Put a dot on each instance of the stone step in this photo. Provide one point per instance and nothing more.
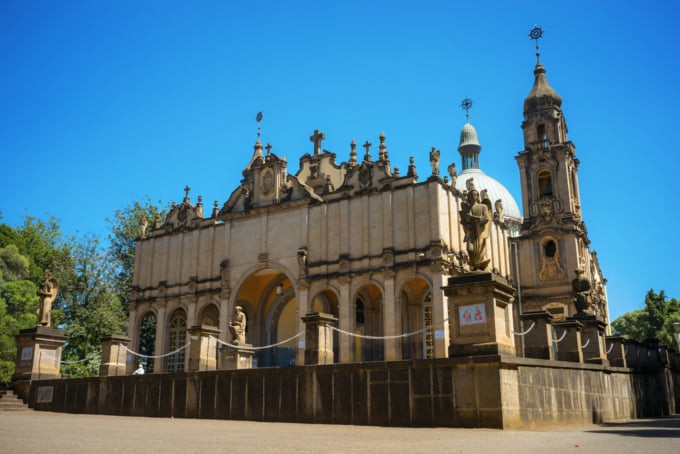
(10, 402)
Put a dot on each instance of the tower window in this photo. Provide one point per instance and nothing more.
(545, 183)
(550, 248)
(540, 134)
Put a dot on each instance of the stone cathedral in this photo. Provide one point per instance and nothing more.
(370, 244)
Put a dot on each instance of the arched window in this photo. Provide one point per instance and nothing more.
(177, 338)
(550, 248)
(545, 183)
(210, 316)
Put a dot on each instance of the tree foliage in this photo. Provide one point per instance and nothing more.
(94, 284)
(653, 322)
(127, 225)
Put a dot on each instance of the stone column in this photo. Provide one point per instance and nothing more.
(538, 341)
(593, 339)
(439, 314)
(160, 345)
(302, 308)
(616, 351)
(345, 314)
(481, 313)
(203, 348)
(38, 353)
(568, 334)
(319, 338)
(391, 346)
(114, 356)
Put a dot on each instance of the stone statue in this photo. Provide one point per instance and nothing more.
(434, 161)
(47, 293)
(453, 173)
(237, 327)
(476, 220)
(143, 226)
(582, 293)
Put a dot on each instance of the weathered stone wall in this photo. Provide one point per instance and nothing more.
(491, 391)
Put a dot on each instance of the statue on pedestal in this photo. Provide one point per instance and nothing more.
(237, 327)
(476, 219)
(47, 293)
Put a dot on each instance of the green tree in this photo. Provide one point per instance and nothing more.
(90, 308)
(654, 321)
(18, 303)
(127, 226)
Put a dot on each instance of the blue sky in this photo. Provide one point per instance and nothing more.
(107, 102)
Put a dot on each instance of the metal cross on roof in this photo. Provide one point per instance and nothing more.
(536, 33)
(466, 105)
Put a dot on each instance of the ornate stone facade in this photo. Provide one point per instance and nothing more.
(365, 245)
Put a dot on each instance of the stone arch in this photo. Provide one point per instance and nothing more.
(269, 298)
(416, 315)
(369, 301)
(209, 315)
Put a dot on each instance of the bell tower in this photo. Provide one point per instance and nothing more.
(553, 242)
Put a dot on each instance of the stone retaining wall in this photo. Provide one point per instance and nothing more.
(483, 391)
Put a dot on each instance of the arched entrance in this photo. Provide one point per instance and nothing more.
(268, 298)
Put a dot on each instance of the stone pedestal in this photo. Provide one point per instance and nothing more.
(38, 353)
(203, 348)
(616, 348)
(319, 338)
(538, 342)
(480, 315)
(570, 342)
(592, 336)
(114, 354)
(236, 358)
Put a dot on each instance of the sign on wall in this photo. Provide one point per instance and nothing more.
(472, 314)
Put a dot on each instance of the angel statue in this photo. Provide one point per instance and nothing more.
(47, 293)
(476, 219)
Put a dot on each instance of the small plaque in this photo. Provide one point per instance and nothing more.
(45, 394)
(439, 334)
(472, 314)
(27, 353)
(301, 344)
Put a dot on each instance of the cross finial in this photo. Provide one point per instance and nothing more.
(367, 156)
(186, 193)
(536, 33)
(466, 105)
(268, 148)
(258, 118)
(317, 137)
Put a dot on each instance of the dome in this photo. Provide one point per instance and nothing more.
(468, 136)
(541, 94)
(495, 190)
